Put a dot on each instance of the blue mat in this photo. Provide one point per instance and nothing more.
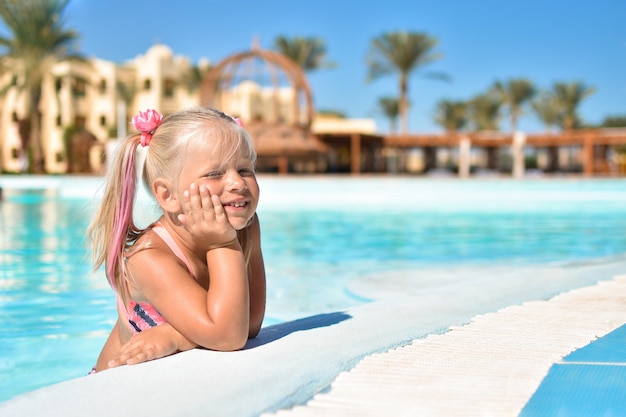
(590, 381)
(608, 349)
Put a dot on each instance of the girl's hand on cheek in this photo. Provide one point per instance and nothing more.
(205, 219)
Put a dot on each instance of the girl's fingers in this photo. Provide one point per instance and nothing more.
(195, 201)
(217, 206)
(191, 205)
(131, 355)
(139, 358)
(119, 360)
(185, 205)
(114, 363)
(206, 198)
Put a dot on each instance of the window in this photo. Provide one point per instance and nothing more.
(147, 84)
(168, 88)
(79, 122)
(103, 86)
(59, 121)
(79, 87)
(103, 120)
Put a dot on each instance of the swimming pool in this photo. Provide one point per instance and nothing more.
(325, 241)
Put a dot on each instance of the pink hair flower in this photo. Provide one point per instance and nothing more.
(237, 120)
(146, 122)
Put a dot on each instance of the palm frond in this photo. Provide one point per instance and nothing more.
(308, 53)
(451, 115)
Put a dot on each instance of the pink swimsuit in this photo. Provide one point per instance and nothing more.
(142, 316)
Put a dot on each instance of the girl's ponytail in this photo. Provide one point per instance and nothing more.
(113, 229)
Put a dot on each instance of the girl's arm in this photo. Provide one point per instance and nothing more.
(164, 340)
(217, 317)
(256, 280)
(110, 348)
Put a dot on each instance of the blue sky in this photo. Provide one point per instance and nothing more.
(481, 41)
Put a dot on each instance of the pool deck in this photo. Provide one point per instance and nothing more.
(506, 363)
(515, 362)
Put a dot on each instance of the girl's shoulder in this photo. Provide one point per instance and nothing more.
(153, 266)
(149, 240)
(156, 248)
(153, 269)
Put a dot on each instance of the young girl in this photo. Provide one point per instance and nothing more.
(195, 277)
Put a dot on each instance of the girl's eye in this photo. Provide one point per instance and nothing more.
(246, 172)
(214, 174)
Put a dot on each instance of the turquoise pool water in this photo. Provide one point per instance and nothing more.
(321, 237)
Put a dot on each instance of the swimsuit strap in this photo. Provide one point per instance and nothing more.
(160, 230)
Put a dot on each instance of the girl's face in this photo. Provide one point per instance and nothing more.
(234, 182)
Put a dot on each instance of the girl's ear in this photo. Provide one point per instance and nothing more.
(165, 195)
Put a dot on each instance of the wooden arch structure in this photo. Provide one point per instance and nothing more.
(223, 74)
(281, 141)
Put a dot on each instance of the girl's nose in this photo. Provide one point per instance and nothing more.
(234, 181)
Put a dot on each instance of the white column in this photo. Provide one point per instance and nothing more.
(517, 149)
(121, 119)
(464, 157)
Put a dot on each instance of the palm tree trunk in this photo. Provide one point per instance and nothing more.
(24, 131)
(38, 166)
(568, 122)
(403, 104)
(35, 132)
(513, 122)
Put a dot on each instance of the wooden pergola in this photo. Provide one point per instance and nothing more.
(363, 149)
(594, 143)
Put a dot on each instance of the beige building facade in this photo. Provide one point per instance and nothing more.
(100, 97)
(96, 96)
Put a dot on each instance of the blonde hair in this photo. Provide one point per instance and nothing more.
(113, 232)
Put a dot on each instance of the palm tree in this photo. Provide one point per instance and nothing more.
(390, 108)
(126, 89)
(337, 114)
(402, 53)
(614, 121)
(514, 94)
(308, 53)
(39, 40)
(484, 111)
(192, 78)
(547, 110)
(569, 96)
(451, 115)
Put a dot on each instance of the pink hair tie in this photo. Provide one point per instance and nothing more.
(146, 122)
